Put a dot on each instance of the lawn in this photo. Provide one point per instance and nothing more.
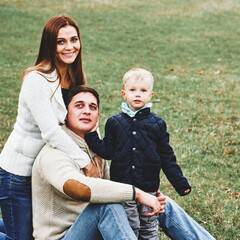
(192, 49)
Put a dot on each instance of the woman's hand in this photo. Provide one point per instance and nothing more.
(94, 169)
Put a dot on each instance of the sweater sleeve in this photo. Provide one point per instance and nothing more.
(37, 94)
(170, 167)
(103, 148)
(62, 168)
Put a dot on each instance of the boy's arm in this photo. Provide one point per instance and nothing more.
(170, 167)
(103, 148)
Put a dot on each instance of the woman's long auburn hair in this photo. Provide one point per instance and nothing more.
(46, 60)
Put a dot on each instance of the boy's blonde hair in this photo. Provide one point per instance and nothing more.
(138, 74)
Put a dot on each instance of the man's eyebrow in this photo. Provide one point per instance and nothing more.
(78, 102)
(94, 104)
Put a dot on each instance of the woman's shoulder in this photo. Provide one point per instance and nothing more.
(35, 74)
(36, 79)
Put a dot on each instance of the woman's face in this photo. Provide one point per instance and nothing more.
(68, 45)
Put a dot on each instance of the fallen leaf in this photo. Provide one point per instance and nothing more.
(201, 72)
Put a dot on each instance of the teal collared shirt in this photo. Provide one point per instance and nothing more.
(129, 112)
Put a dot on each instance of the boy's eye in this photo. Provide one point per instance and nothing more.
(132, 90)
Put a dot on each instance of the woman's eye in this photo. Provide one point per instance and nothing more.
(60, 42)
(74, 39)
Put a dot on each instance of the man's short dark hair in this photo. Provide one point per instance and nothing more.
(78, 89)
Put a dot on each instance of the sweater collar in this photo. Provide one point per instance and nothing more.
(129, 112)
(83, 145)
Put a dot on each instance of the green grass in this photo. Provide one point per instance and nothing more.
(192, 49)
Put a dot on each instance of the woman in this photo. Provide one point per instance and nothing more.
(40, 111)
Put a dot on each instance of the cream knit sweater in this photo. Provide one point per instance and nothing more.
(37, 123)
(53, 211)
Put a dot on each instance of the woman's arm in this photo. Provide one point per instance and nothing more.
(36, 94)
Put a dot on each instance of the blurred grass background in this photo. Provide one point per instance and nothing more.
(193, 50)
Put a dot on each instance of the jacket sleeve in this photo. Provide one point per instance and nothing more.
(36, 94)
(103, 148)
(170, 167)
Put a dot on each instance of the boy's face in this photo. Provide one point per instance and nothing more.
(82, 113)
(137, 93)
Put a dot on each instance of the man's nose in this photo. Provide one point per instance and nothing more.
(86, 110)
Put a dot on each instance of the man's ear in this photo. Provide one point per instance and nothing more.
(123, 94)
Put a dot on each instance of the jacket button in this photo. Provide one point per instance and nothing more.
(134, 132)
(134, 149)
(133, 167)
(134, 119)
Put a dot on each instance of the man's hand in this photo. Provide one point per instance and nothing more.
(162, 199)
(151, 201)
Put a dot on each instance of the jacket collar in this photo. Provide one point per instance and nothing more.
(129, 112)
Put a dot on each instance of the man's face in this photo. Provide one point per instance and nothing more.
(82, 113)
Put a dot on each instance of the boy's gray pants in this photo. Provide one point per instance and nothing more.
(143, 226)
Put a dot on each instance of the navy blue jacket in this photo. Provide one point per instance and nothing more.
(139, 149)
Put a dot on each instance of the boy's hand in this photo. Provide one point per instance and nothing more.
(94, 128)
(187, 191)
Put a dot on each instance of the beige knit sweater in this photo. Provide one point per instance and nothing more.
(53, 211)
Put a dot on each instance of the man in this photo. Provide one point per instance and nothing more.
(61, 192)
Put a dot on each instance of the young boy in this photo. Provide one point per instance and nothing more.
(137, 141)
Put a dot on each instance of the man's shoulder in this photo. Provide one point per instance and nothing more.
(49, 153)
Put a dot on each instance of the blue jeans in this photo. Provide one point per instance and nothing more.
(101, 221)
(109, 221)
(178, 225)
(16, 206)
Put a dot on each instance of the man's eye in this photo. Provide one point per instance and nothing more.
(93, 107)
(60, 42)
(79, 105)
(144, 90)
